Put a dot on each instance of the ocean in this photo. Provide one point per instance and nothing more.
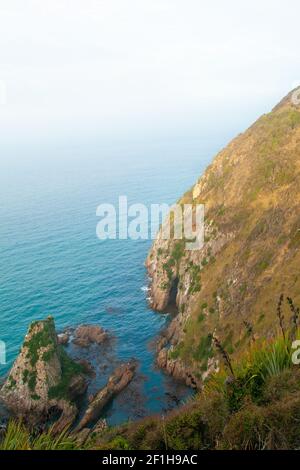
(52, 262)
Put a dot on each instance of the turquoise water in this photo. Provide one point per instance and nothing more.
(53, 263)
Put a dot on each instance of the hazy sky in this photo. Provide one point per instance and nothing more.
(126, 66)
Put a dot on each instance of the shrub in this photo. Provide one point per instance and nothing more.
(245, 430)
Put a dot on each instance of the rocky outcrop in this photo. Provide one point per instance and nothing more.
(44, 379)
(116, 383)
(85, 335)
(63, 339)
(251, 251)
(83, 435)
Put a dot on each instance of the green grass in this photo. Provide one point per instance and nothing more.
(32, 376)
(204, 349)
(201, 318)
(42, 339)
(12, 382)
(175, 353)
(168, 268)
(263, 263)
(271, 359)
(178, 250)
(195, 278)
(17, 437)
(69, 369)
(263, 361)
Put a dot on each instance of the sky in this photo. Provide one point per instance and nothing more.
(143, 67)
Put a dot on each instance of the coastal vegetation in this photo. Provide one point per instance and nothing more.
(17, 437)
(251, 194)
(250, 403)
(226, 338)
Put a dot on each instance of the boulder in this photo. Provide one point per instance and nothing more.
(85, 335)
(63, 339)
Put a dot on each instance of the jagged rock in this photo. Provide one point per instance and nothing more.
(100, 426)
(90, 398)
(68, 415)
(161, 343)
(85, 335)
(63, 339)
(116, 383)
(77, 387)
(43, 378)
(162, 358)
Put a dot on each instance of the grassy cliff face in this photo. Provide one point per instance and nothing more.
(251, 194)
(42, 378)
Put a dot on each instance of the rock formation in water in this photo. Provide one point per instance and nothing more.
(251, 254)
(44, 381)
(85, 335)
(121, 377)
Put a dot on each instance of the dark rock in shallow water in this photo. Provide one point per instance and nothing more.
(121, 377)
(111, 309)
(85, 335)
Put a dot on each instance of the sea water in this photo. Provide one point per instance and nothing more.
(52, 262)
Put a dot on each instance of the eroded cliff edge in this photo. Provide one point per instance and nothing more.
(251, 194)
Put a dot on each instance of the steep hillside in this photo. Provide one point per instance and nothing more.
(258, 408)
(251, 255)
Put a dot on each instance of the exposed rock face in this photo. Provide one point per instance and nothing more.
(63, 339)
(251, 253)
(116, 383)
(100, 426)
(85, 335)
(84, 433)
(43, 378)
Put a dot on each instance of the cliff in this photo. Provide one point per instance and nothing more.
(43, 382)
(251, 193)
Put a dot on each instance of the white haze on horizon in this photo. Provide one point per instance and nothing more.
(143, 67)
